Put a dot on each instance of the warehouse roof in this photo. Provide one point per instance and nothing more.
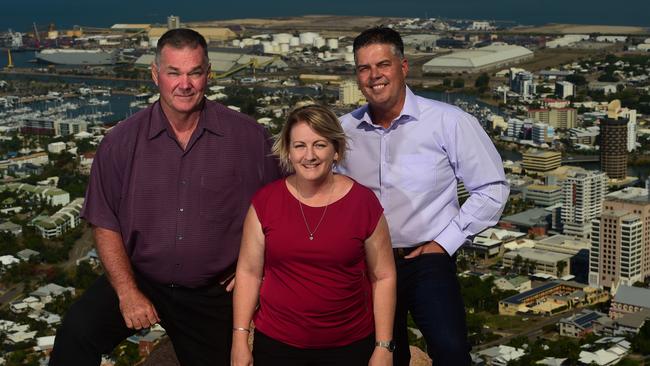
(479, 57)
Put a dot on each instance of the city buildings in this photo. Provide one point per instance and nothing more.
(550, 263)
(478, 59)
(583, 193)
(564, 89)
(53, 127)
(552, 297)
(629, 300)
(543, 195)
(543, 133)
(620, 242)
(52, 195)
(579, 325)
(613, 147)
(563, 118)
(349, 93)
(63, 220)
(522, 83)
(541, 161)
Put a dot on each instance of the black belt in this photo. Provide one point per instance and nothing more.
(221, 280)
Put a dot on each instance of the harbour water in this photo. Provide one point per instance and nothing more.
(20, 16)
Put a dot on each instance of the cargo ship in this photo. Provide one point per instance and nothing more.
(77, 57)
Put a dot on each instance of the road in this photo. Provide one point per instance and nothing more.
(80, 249)
(533, 332)
(12, 294)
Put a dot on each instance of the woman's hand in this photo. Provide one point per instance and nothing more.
(381, 357)
(240, 353)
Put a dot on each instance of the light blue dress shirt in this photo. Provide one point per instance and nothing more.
(413, 167)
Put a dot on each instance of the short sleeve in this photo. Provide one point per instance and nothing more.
(373, 209)
(104, 190)
(260, 201)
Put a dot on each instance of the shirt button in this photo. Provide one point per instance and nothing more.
(183, 182)
(180, 237)
(180, 209)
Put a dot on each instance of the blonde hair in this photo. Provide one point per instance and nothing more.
(320, 119)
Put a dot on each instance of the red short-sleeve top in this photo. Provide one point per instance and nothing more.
(315, 293)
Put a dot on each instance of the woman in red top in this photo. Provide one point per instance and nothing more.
(316, 257)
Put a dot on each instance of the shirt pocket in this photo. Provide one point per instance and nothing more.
(220, 197)
(416, 172)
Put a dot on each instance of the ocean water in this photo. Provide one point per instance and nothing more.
(64, 14)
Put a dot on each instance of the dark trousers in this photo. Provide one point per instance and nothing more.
(269, 352)
(427, 286)
(198, 322)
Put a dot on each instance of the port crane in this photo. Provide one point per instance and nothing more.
(37, 36)
(10, 62)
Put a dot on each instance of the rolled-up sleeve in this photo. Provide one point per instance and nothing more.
(104, 189)
(478, 165)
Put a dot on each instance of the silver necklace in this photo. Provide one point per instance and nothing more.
(322, 216)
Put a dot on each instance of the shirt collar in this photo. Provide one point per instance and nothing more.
(209, 120)
(410, 112)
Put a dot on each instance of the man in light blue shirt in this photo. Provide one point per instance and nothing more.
(411, 151)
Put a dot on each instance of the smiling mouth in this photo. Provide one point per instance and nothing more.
(378, 87)
(310, 165)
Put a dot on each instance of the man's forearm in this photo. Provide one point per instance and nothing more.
(117, 266)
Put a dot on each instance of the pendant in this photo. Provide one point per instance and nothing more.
(311, 237)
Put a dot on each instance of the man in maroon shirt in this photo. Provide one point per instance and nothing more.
(167, 196)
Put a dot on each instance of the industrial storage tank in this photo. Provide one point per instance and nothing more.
(282, 38)
(308, 38)
(333, 43)
(235, 42)
(267, 47)
(319, 42)
(284, 48)
(294, 42)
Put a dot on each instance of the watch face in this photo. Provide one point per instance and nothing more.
(391, 346)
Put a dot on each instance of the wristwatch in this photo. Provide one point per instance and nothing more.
(389, 345)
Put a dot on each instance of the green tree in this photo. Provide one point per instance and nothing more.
(482, 82)
(576, 79)
(641, 341)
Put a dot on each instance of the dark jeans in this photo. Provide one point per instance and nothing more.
(198, 322)
(427, 286)
(269, 352)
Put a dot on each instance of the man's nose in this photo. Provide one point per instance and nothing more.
(185, 82)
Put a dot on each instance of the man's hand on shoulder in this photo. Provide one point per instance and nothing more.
(430, 247)
(137, 310)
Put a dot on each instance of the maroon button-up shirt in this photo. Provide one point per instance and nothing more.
(180, 212)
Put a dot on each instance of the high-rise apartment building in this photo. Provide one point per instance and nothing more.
(613, 147)
(620, 240)
(583, 193)
(564, 89)
(564, 118)
(522, 83)
(543, 133)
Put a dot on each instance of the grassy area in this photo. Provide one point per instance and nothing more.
(553, 57)
(510, 323)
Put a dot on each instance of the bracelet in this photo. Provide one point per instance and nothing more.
(247, 330)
